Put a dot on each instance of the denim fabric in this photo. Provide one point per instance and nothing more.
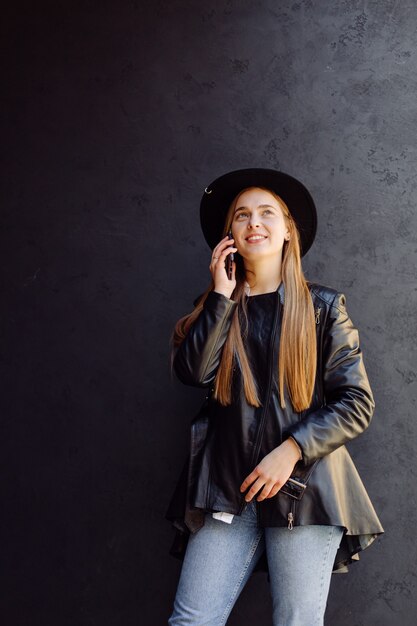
(221, 557)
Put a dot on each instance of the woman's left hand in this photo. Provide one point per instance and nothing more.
(272, 472)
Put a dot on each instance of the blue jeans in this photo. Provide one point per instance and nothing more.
(220, 557)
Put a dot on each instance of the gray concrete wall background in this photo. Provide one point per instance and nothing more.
(117, 116)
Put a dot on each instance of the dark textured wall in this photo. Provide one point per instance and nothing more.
(116, 116)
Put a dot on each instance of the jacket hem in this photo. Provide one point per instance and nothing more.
(348, 553)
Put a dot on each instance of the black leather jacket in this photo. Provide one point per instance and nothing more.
(227, 442)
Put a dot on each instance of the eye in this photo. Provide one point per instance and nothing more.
(267, 211)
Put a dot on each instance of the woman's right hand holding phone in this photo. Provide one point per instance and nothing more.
(222, 284)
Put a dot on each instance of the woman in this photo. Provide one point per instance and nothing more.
(269, 483)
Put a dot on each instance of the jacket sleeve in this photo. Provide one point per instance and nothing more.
(198, 356)
(349, 402)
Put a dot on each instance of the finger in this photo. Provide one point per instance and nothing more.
(266, 492)
(276, 487)
(224, 244)
(257, 485)
(216, 257)
(227, 251)
(221, 243)
(249, 480)
(274, 490)
(222, 258)
(218, 253)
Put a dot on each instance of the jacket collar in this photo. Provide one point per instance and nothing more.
(281, 292)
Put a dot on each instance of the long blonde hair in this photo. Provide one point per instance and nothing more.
(297, 360)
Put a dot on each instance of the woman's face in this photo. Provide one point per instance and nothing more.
(258, 225)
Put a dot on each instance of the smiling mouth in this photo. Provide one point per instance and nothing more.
(254, 238)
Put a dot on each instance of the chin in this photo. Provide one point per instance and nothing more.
(262, 254)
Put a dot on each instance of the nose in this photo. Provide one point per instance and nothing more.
(254, 221)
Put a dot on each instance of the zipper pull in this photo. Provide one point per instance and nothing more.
(290, 521)
(318, 311)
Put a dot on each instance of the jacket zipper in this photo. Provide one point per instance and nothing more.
(291, 515)
(320, 359)
(278, 311)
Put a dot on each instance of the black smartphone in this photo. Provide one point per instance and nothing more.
(229, 260)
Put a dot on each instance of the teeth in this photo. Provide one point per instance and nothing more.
(256, 237)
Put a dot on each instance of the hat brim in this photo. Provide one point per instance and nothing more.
(218, 196)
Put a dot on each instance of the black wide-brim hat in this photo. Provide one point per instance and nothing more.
(218, 196)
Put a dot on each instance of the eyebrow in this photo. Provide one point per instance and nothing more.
(261, 206)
